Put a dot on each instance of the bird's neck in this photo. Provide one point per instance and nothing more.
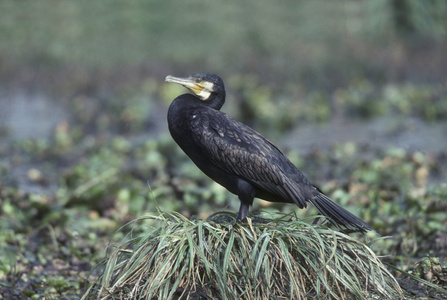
(215, 100)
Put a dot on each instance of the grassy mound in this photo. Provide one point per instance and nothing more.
(167, 256)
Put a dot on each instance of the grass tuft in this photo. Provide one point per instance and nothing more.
(167, 256)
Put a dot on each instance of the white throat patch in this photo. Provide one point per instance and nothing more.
(208, 87)
(204, 94)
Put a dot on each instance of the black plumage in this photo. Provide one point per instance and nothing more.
(238, 157)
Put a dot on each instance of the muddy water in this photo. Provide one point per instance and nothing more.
(407, 133)
(25, 116)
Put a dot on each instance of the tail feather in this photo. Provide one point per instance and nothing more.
(338, 215)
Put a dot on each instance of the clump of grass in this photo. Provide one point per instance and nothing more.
(217, 258)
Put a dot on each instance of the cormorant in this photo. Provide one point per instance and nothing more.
(239, 158)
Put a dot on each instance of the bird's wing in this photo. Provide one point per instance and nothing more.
(240, 150)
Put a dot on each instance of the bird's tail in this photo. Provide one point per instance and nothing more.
(338, 215)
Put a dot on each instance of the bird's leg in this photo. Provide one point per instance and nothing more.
(246, 193)
(243, 211)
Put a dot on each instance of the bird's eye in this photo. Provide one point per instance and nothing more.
(198, 80)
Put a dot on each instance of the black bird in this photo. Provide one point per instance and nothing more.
(239, 158)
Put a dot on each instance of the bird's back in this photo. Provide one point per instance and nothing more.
(214, 140)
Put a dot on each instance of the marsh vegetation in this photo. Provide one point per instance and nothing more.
(355, 100)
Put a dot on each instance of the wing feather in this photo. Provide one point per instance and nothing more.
(241, 151)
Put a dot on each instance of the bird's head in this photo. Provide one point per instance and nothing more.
(206, 86)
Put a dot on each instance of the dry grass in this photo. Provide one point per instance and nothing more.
(177, 258)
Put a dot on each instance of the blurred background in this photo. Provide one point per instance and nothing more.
(354, 92)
